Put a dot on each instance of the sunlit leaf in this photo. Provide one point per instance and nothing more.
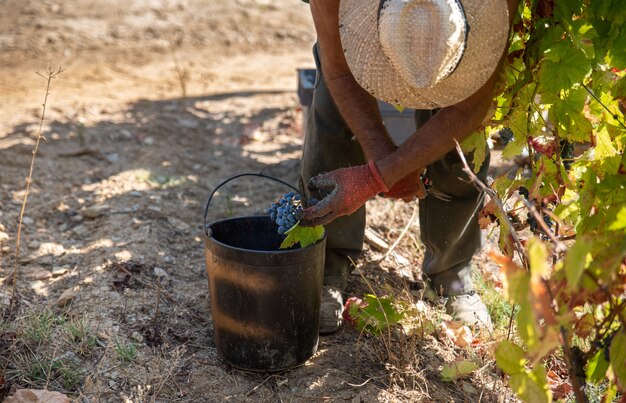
(475, 145)
(620, 221)
(306, 236)
(526, 386)
(617, 353)
(457, 369)
(576, 261)
(510, 357)
(596, 367)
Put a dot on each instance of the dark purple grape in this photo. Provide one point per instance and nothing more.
(506, 136)
(283, 212)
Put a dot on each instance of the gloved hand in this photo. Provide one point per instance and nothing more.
(349, 189)
(408, 188)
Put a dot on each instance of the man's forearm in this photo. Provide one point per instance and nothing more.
(436, 138)
(357, 107)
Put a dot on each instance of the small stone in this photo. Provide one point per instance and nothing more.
(187, 123)
(5, 299)
(94, 211)
(112, 158)
(59, 271)
(52, 248)
(154, 208)
(148, 141)
(62, 227)
(77, 218)
(80, 230)
(67, 296)
(178, 224)
(40, 275)
(160, 273)
(27, 221)
(34, 245)
(123, 256)
(169, 259)
(136, 336)
(134, 193)
(3, 236)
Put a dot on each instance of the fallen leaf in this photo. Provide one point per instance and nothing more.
(36, 396)
(457, 369)
(457, 332)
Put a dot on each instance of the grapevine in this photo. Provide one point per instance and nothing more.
(563, 95)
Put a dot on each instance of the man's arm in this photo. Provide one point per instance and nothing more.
(357, 107)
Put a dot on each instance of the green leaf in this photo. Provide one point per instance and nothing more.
(617, 354)
(617, 53)
(537, 254)
(605, 149)
(596, 367)
(399, 108)
(567, 66)
(304, 235)
(475, 145)
(568, 114)
(378, 314)
(457, 369)
(576, 261)
(510, 357)
(528, 389)
(620, 221)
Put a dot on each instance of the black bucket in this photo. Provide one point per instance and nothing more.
(265, 301)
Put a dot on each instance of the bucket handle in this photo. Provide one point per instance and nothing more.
(260, 175)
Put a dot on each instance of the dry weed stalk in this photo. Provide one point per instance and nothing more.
(49, 74)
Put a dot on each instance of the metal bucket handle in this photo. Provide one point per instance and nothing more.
(260, 175)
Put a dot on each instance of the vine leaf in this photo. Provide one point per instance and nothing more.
(306, 236)
(596, 367)
(620, 221)
(457, 369)
(577, 259)
(617, 354)
(510, 357)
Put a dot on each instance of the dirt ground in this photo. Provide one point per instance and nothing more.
(158, 102)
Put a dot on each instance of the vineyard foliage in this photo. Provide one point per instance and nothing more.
(561, 108)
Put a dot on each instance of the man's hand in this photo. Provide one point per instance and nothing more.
(408, 188)
(349, 189)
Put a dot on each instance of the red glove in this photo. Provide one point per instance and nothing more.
(408, 188)
(349, 189)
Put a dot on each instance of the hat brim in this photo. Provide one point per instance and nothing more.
(488, 24)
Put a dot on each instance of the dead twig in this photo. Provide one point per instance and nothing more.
(49, 74)
(402, 234)
(494, 196)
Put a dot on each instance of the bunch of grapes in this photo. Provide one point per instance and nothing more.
(567, 151)
(283, 212)
(506, 136)
(534, 225)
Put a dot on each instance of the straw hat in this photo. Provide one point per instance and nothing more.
(423, 54)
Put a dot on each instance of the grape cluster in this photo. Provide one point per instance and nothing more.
(506, 136)
(532, 221)
(283, 212)
(567, 151)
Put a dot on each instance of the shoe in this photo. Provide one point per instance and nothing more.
(470, 309)
(331, 310)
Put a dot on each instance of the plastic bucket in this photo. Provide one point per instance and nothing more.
(265, 301)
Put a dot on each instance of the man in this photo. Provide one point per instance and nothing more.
(440, 57)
